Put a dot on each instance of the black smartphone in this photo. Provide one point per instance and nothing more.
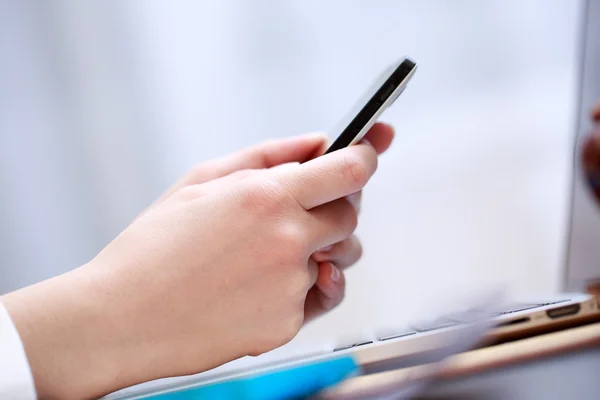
(382, 94)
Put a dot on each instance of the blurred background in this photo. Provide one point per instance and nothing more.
(103, 105)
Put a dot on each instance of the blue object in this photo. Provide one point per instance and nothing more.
(292, 383)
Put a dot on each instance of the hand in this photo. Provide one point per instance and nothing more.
(329, 289)
(212, 272)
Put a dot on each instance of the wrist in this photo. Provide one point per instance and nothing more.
(60, 325)
(86, 335)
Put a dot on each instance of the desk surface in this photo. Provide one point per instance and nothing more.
(571, 376)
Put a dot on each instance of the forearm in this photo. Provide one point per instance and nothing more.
(86, 336)
(64, 331)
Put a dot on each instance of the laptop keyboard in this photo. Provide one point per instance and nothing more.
(512, 308)
(451, 320)
(439, 323)
(400, 334)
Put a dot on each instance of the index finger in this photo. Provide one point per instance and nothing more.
(332, 176)
(380, 136)
(264, 155)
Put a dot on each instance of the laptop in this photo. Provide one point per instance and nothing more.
(507, 321)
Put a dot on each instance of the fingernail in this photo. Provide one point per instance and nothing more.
(327, 248)
(366, 141)
(335, 273)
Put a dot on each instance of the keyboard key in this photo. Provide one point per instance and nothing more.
(342, 348)
(511, 308)
(362, 343)
(353, 345)
(404, 333)
(555, 302)
(469, 316)
(435, 324)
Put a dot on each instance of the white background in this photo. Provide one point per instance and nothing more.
(103, 105)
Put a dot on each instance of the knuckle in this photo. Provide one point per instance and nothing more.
(287, 247)
(260, 190)
(292, 239)
(262, 196)
(355, 170)
(274, 192)
(252, 200)
(188, 193)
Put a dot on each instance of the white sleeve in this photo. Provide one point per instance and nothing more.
(16, 381)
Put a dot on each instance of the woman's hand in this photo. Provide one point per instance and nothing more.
(328, 291)
(222, 266)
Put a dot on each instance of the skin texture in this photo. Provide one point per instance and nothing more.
(231, 261)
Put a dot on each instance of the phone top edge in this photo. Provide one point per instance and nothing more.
(409, 62)
(402, 72)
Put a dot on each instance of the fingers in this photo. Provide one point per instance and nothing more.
(327, 293)
(313, 272)
(271, 153)
(342, 254)
(330, 223)
(215, 185)
(264, 155)
(381, 137)
(331, 176)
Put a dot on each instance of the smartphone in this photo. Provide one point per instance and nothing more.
(386, 89)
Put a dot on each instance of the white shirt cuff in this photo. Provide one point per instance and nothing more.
(16, 380)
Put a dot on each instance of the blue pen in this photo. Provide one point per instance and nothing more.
(291, 383)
